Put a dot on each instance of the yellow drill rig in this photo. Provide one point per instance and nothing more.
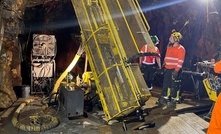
(112, 32)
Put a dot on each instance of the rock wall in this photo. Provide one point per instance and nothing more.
(10, 72)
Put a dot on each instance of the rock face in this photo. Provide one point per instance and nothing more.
(19, 19)
(10, 71)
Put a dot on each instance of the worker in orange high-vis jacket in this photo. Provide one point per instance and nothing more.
(173, 62)
(147, 63)
(215, 121)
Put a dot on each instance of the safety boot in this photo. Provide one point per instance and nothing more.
(162, 101)
(150, 88)
(172, 104)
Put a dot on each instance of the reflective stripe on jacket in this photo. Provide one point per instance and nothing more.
(174, 57)
(149, 60)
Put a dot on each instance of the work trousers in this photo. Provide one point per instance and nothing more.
(168, 82)
(148, 73)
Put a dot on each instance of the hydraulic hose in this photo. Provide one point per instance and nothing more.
(69, 68)
(33, 127)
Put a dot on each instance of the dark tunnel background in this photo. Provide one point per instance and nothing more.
(201, 39)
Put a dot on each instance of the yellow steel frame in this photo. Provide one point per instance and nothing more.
(99, 30)
(211, 93)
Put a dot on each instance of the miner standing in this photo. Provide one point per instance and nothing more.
(148, 67)
(173, 62)
(215, 121)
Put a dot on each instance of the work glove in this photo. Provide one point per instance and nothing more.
(174, 74)
(160, 71)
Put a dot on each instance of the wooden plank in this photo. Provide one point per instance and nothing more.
(176, 127)
(150, 103)
(183, 106)
(185, 126)
(199, 120)
(168, 128)
(192, 122)
(7, 112)
(148, 131)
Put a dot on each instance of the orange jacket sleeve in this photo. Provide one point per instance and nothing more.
(181, 58)
(215, 121)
